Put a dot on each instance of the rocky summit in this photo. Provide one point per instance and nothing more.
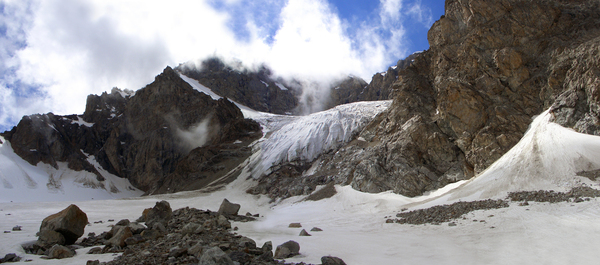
(463, 103)
(166, 131)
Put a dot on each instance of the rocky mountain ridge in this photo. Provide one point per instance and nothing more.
(146, 138)
(462, 104)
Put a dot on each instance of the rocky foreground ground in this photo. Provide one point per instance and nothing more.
(162, 236)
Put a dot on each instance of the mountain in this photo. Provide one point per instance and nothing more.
(146, 138)
(462, 104)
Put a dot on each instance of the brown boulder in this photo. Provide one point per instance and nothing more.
(70, 222)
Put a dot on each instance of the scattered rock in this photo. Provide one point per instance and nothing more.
(316, 229)
(70, 222)
(196, 250)
(295, 225)
(329, 260)
(60, 252)
(136, 228)
(444, 213)
(247, 243)
(228, 208)
(92, 262)
(144, 215)
(452, 224)
(525, 203)
(304, 233)
(17, 228)
(287, 249)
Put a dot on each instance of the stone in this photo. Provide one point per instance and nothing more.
(228, 208)
(95, 250)
(152, 234)
(246, 242)
(49, 238)
(223, 222)
(267, 246)
(329, 260)
(142, 218)
(190, 228)
(70, 222)
(240, 257)
(93, 262)
(60, 252)
(17, 228)
(304, 233)
(123, 222)
(196, 250)
(287, 249)
(215, 256)
(177, 252)
(10, 257)
(316, 229)
(295, 225)
(118, 239)
(136, 228)
(160, 213)
(135, 239)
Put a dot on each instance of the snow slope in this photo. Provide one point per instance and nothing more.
(548, 157)
(23, 182)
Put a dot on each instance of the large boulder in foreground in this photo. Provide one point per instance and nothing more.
(69, 222)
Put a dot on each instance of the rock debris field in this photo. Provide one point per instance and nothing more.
(445, 213)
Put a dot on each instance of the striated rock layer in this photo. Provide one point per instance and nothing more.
(462, 104)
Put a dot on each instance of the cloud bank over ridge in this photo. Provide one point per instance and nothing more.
(54, 53)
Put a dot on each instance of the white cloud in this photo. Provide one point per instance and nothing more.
(75, 47)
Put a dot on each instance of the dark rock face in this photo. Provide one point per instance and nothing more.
(260, 90)
(69, 222)
(254, 89)
(150, 138)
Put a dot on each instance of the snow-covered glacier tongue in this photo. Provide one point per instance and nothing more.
(304, 138)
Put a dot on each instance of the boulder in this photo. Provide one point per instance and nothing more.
(287, 249)
(215, 256)
(160, 213)
(246, 242)
(60, 252)
(123, 222)
(329, 260)
(70, 222)
(136, 228)
(118, 239)
(228, 208)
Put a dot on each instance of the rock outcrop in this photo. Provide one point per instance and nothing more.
(168, 137)
(462, 104)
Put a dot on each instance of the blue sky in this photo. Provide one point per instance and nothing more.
(54, 53)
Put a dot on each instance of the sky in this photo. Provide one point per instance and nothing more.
(53, 53)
